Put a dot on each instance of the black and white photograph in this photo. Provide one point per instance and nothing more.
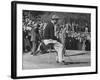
(53, 39)
(56, 39)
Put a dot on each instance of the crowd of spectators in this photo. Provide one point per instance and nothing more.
(76, 37)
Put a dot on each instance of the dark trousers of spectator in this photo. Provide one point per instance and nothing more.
(88, 45)
(34, 47)
(26, 45)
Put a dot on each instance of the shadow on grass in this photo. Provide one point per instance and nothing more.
(68, 63)
(76, 54)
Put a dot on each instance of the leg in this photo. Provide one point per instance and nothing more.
(34, 47)
(60, 52)
(59, 48)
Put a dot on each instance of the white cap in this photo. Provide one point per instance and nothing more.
(55, 17)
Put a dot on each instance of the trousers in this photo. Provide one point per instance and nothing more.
(58, 47)
(34, 46)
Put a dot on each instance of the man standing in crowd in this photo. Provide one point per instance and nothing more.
(35, 38)
(50, 37)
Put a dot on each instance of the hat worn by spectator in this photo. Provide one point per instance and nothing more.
(55, 17)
